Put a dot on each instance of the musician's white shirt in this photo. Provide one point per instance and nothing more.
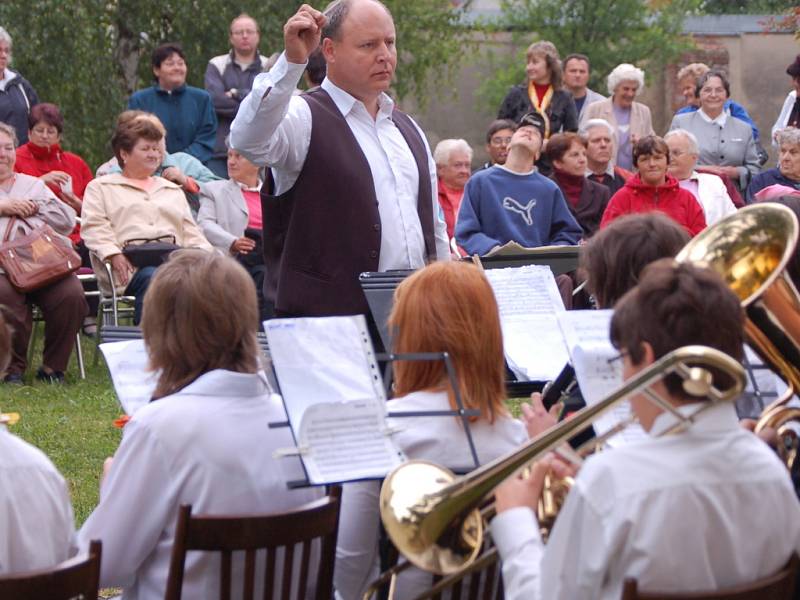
(37, 528)
(439, 439)
(209, 445)
(701, 510)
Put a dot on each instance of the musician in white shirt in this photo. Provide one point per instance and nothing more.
(446, 307)
(709, 508)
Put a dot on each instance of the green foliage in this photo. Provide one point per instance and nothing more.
(87, 56)
(609, 32)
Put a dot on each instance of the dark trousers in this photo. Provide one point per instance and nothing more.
(89, 286)
(63, 307)
(253, 261)
(137, 286)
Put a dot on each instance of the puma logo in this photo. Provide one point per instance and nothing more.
(525, 211)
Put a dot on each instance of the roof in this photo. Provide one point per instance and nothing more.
(730, 24)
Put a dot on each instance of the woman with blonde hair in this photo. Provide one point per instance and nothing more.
(445, 307)
(204, 440)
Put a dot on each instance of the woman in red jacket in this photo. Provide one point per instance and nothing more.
(653, 189)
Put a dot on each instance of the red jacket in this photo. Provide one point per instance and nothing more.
(670, 198)
(36, 161)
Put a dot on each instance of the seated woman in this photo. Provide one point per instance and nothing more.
(135, 205)
(230, 217)
(445, 307)
(204, 438)
(652, 188)
(586, 199)
(62, 303)
(787, 172)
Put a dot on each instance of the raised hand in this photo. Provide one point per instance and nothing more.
(302, 33)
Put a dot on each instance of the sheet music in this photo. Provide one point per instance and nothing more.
(528, 300)
(127, 362)
(585, 327)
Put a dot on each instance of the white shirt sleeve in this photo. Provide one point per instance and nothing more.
(783, 118)
(516, 534)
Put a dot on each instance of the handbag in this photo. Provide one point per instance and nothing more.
(36, 259)
(151, 252)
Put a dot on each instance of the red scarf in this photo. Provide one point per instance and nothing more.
(571, 185)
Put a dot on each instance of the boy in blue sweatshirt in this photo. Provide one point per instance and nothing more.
(513, 202)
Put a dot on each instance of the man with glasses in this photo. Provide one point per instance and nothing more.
(497, 140)
(229, 78)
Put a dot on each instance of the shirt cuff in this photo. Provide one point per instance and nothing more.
(282, 77)
(514, 528)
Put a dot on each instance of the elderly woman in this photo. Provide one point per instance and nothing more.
(62, 303)
(631, 120)
(17, 96)
(204, 439)
(453, 160)
(586, 199)
(542, 92)
(787, 173)
(726, 144)
(654, 189)
(134, 206)
(445, 307)
(230, 217)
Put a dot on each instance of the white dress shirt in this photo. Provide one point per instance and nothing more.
(208, 445)
(438, 439)
(37, 528)
(273, 127)
(709, 508)
(783, 117)
(712, 195)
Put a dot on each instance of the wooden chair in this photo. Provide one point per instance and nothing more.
(74, 579)
(281, 531)
(780, 586)
(482, 580)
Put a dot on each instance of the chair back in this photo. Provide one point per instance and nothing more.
(75, 579)
(480, 581)
(280, 533)
(780, 586)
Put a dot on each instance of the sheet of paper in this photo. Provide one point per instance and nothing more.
(127, 363)
(585, 327)
(528, 300)
(513, 248)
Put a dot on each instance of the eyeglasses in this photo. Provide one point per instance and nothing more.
(618, 357)
(241, 32)
(45, 130)
(500, 141)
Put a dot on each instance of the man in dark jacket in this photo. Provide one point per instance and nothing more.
(17, 96)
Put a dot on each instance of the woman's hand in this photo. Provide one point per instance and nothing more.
(122, 269)
(536, 417)
(243, 245)
(174, 175)
(18, 207)
(56, 178)
(72, 201)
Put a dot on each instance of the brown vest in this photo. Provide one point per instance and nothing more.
(326, 230)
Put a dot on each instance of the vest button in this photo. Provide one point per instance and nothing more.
(373, 254)
(376, 227)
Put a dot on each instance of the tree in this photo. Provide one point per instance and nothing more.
(745, 7)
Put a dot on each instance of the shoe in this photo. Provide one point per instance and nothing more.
(52, 377)
(90, 326)
(12, 379)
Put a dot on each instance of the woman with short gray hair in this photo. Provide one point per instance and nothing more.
(787, 173)
(17, 96)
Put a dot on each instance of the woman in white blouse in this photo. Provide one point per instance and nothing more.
(204, 440)
(445, 307)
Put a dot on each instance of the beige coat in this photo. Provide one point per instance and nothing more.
(641, 121)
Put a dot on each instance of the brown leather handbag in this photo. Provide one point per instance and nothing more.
(36, 259)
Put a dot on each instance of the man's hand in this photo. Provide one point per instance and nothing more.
(122, 269)
(174, 175)
(17, 207)
(302, 33)
(536, 417)
(243, 245)
(518, 491)
(56, 178)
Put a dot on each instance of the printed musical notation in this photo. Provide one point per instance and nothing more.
(128, 364)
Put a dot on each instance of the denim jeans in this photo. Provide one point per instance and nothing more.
(137, 286)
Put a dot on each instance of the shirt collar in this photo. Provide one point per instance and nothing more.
(719, 120)
(246, 188)
(609, 171)
(719, 417)
(346, 103)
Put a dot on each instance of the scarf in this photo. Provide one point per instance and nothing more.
(542, 105)
(571, 185)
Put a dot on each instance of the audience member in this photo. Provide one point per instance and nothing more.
(543, 92)
(315, 70)
(230, 217)
(513, 202)
(586, 199)
(37, 527)
(229, 78)
(707, 188)
(787, 173)
(576, 80)
(790, 112)
(445, 307)
(653, 188)
(203, 440)
(362, 174)
(498, 137)
(135, 206)
(600, 168)
(626, 496)
(453, 160)
(17, 96)
(187, 112)
(726, 145)
(31, 204)
(631, 120)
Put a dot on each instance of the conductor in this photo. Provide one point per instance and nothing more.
(353, 177)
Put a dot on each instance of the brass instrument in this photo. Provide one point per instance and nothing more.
(431, 516)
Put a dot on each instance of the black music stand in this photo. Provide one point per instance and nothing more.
(563, 259)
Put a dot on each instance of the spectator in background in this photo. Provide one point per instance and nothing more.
(787, 173)
(586, 199)
(576, 80)
(315, 70)
(17, 96)
(631, 120)
(707, 188)
(187, 112)
(498, 137)
(453, 160)
(790, 112)
(599, 136)
(228, 80)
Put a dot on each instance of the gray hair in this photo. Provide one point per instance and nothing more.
(788, 135)
(5, 36)
(625, 72)
(444, 150)
(335, 14)
(10, 132)
(591, 124)
(694, 148)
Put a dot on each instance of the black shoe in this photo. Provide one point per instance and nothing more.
(52, 377)
(12, 379)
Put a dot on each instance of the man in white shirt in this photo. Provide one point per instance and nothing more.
(353, 193)
(704, 509)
